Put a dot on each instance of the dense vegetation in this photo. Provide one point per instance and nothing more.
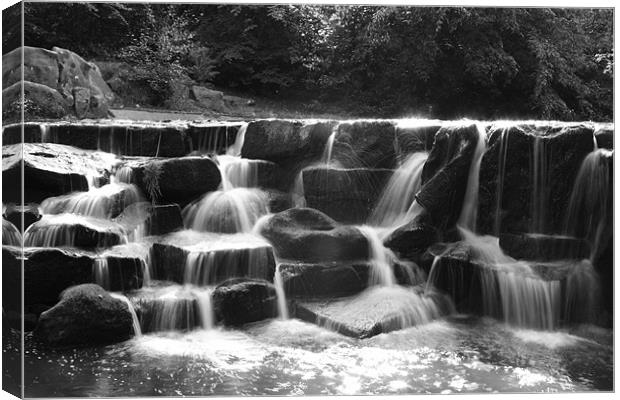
(380, 61)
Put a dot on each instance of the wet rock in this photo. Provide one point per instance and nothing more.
(49, 271)
(373, 311)
(445, 174)
(332, 279)
(414, 139)
(365, 144)
(29, 212)
(347, 195)
(308, 235)
(176, 180)
(209, 258)
(239, 301)
(413, 238)
(11, 236)
(563, 147)
(543, 247)
(49, 170)
(41, 102)
(604, 137)
(278, 200)
(85, 315)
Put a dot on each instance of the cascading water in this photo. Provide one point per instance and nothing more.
(399, 193)
(469, 212)
(281, 294)
(589, 209)
(501, 172)
(235, 149)
(381, 259)
(540, 186)
(134, 316)
(101, 272)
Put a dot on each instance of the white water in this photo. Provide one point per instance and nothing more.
(588, 214)
(134, 317)
(205, 307)
(381, 259)
(235, 149)
(298, 193)
(399, 193)
(101, 272)
(469, 212)
(281, 294)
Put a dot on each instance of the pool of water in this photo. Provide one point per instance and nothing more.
(452, 355)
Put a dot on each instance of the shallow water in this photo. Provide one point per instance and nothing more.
(458, 354)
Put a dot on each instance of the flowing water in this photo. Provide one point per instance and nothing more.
(501, 172)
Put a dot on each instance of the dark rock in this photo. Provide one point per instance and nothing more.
(413, 238)
(40, 102)
(239, 301)
(415, 138)
(543, 247)
(85, 315)
(563, 146)
(604, 136)
(70, 230)
(176, 180)
(49, 170)
(278, 200)
(308, 235)
(347, 195)
(29, 212)
(81, 101)
(49, 271)
(445, 174)
(11, 236)
(332, 279)
(365, 144)
(151, 219)
(213, 258)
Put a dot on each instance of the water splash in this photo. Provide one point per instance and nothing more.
(399, 193)
(381, 259)
(134, 317)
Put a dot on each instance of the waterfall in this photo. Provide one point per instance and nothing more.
(501, 171)
(381, 259)
(298, 194)
(281, 294)
(235, 149)
(399, 193)
(540, 190)
(10, 234)
(469, 212)
(589, 209)
(104, 202)
(200, 268)
(45, 133)
(134, 317)
(205, 307)
(101, 272)
(326, 158)
(123, 174)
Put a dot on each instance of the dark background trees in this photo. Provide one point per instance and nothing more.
(370, 60)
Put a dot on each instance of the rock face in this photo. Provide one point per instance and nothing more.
(74, 86)
(543, 247)
(604, 136)
(445, 174)
(49, 170)
(347, 195)
(416, 138)
(151, 219)
(86, 314)
(365, 144)
(176, 180)
(41, 102)
(49, 271)
(562, 146)
(239, 301)
(413, 238)
(308, 235)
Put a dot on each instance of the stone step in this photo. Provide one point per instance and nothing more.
(539, 247)
(50, 170)
(131, 138)
(347, 195)
(205, 258)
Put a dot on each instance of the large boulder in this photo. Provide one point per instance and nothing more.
(49, 170)
(411, 239)
(239, 301)
(176, 180)
(85, 315)
(347, 195)
(446, 172)
(505, 202)
(365, 144)
(209, 98)
(73, 86)
(308, 235)
(40, 102)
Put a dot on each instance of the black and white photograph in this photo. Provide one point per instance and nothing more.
(321, 198)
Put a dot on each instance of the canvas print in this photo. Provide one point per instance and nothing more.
(306, 199)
